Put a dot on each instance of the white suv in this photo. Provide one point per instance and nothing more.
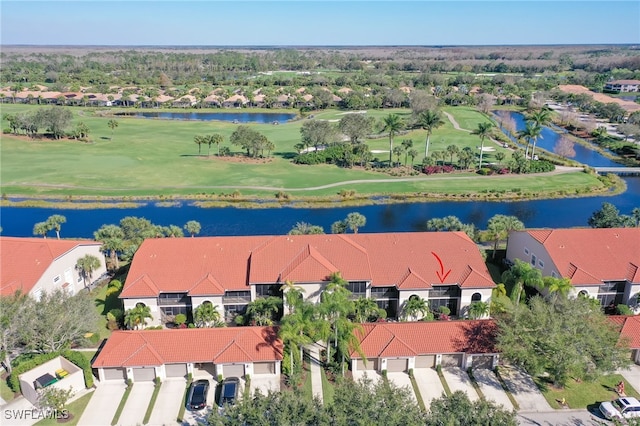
(622, 408)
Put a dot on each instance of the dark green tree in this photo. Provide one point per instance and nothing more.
(457, 409)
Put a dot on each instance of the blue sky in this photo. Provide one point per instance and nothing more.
(327, 22)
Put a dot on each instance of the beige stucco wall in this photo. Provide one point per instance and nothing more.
(404, 295)
(465, 298)
(64, 267)
(516, 245)
(74, 380)
(312, 291)
(215, 300)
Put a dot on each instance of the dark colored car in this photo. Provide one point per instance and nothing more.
(229, 391)
(197, 399)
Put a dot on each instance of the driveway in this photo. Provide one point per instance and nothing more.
(169, 401)
(137, 404)
(369, 374)
(402, 380)
(632, 376)
(524, 390)
(458, 380)
(491, 387)
(265, 383)
(429, 384)
(200, 417)
(103, 404)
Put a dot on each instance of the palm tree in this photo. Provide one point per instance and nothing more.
(397, 151)
(112, 239)
(499, 227)
(452, 150)
(519, 275)
(137, 317)
(465, 157)
(355, 221)
(41, 228)
(366, 309)
(560, 286)
(55, 222)
(407, 144)
(262, 310)
(392, 124)
(192, 227)
(414, 308)
(500, 156)
(207, 315)
(199, 140)
(335, 304)
(293, 333)
(412, 154)
(113, 124)
(478, 310)
(483, 131)
(217, 139)
(292, 295)
(540, 118)
(87, 265)
(531, 132)
(429, 120)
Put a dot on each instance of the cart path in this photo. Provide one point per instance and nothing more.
(557, 171)
(456, 126)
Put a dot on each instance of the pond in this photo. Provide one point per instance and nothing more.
(234, 117)
(550, 139)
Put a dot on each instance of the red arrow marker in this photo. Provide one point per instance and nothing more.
(441, 275)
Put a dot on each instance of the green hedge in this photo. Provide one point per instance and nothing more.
(75, 357)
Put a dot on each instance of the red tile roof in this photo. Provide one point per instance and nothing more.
(629, 328)
(382, 340)
(217, 345)
(233, 263)
(590, 256)
(24, 260)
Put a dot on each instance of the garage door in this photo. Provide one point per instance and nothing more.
(397, 365)
(176, 370)
(372, 364)
(482, 361)
(233, 370)
(264, 368)
(144, 374)
(425, 361)
(454, 360)
(114, 374)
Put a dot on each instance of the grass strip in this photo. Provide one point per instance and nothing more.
(307, 388)
(152, 403)
(76, 408)
(584, 393)
(445, 385)
(327, 389)
(506, 389)
(416, 391)
(123, 401)
(5, 391)
(475, 384)
(183, 406)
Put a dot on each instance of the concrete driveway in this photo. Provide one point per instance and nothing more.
(369, 374)
(103, 404)
(632, 376)
(402, 380)
(458, 380)
(524, 390)
(429, 384)
(265, 383)
(200, 417)
(170, 398)
(137, 404)
(491, 387)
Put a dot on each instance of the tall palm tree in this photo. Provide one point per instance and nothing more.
(199, 140)
(499, 227)
(530, 133)
(429, 120)
(112, 239)
(217, 139)
(136, 318)
(293, 333)
(414, 308)
(392, 124)
(207, 315)
(41, 228)
(483, 131)
(87, 265)
(452, 150)
(407, 144)
(519, 275)
(412, 154)
(292, 295)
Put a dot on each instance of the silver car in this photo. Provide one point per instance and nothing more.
(622, 408)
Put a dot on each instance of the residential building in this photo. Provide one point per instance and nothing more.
(622, 86)
(600, 263)
(176, 275)
(402, 346)
(37, 265)
(144, 355)
(629, 330)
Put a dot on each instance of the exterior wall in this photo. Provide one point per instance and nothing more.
(312, 291)
(64, 268)
(467, 294)
(404, 295)
(75, 378)
(519, 241)
(151, 302)
(632, 297)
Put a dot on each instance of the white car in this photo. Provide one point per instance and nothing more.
(621, 408)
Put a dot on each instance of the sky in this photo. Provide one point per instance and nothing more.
(318, 23)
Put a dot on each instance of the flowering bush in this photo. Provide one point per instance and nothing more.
(437, 169)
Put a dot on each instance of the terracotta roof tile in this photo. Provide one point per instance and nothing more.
(411, 281)
(224, 345)
(142, 287)
(24, 260)
(208, 285)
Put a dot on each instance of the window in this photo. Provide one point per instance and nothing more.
(233, 297)
(526, 251)
(553, 274)
(172, 298)
(266, 290)
(534, 259)
(384, 293)
(444, 291)
(56, 279)
(174, 310)
(477, 297)
(541, 263)
(358, 288)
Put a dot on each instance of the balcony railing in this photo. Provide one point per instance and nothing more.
(163, 301)
(235, 300)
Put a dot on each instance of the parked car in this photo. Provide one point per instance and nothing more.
(197, 399)
(621, 408)
(229, 391)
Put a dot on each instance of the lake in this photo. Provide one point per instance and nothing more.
(234, 117)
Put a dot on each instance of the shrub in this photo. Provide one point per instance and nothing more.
(117, 314)
(429, 170)
(180, 319)
(444, 310)
(30, 363)
(191, 325)
(624, 310)
(541, 166)
(485, 171)
(157, 381)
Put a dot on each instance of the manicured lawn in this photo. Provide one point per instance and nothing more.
(327, 389)
(76, 408)
(5, 391)
(103, 305)
(583, 394)
(159, 157)
(88, 355)
(307, 389)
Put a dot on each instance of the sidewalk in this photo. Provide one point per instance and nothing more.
(632, 376)
(316, 374)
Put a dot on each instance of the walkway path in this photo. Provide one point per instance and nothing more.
(456, 126)
(316, 374)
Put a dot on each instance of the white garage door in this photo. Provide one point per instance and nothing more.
(144, 374)
(114, 373)
(233, 370)
(425, 361)
(452, 360)
(264, 368)
(397, 365)
(372, 364)
(176, 370)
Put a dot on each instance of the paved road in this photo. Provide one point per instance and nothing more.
(170, 398)
(103, 404)
(458, 380)
(561, 418)
(137, 404)
(429, 384)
